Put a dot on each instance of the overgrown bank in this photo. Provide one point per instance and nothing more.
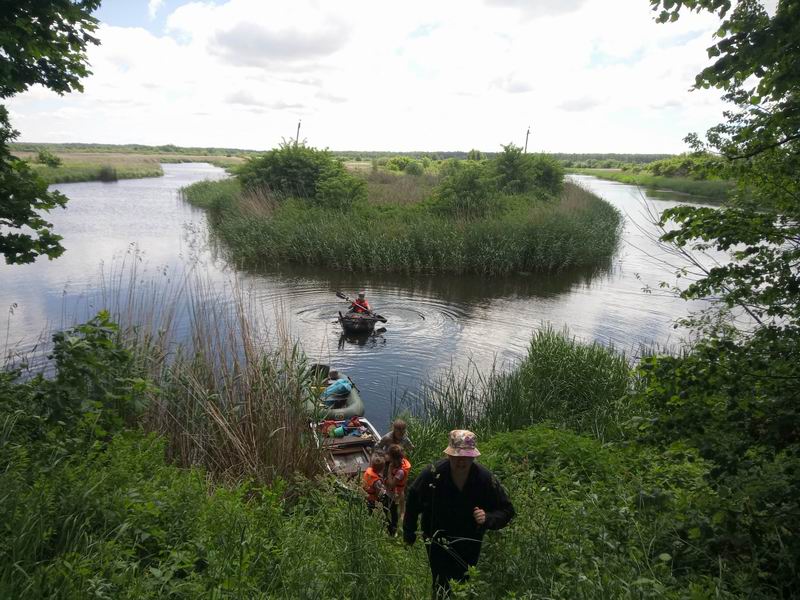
(511, 214)
(715, 189)
(614, 496)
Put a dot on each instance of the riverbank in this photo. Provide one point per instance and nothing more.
(140, 478)
(709, 189)
(78, 165)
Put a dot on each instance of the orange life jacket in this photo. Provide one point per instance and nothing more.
(400, 484)
(361, 306)
(372, 484)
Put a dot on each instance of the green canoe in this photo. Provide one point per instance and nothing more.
(350, 405)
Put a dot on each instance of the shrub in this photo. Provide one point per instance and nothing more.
(340, 191)
(292, 169)
(107, 173)
(518, 173)
(398, 163)
(466, 192)
(47, 158)
(414, 168)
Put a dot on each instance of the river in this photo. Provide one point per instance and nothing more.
(434, 321)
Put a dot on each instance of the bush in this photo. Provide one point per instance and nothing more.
(466, 192)
(47, 158)
(107, 173)
(398, 163)
(292, 169)
(414, 168)
(340, 191)
(518, 173)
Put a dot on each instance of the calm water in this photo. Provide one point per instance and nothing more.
(434, 322)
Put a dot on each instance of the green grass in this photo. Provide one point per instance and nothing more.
(577, 229)
(712, 189)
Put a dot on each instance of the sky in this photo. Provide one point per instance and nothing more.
(584, 75)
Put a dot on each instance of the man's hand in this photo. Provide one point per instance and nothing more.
(479, 515)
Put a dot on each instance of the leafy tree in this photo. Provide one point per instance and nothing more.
(756, 60)
(518, 173)
(733, 396)
(41, 42)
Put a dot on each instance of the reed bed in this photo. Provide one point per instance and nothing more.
(561, 381)
(578, 230)
(225, 393)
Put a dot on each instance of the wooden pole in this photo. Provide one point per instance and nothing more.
(526, 138)
(297, 139)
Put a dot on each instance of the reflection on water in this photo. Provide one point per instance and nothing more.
(433, 321)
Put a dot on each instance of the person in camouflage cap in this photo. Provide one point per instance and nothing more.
(458, 500)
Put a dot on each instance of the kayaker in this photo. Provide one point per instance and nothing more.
(458, 500)
(360, 304)
(337, 386)
(397, 435)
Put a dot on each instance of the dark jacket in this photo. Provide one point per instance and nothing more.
(447, 511)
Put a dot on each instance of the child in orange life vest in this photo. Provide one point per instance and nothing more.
(372, 480)
(397, 477)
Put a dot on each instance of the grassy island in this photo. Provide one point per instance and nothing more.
(509, 214)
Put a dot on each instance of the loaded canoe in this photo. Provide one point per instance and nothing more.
(347, 455)
(344, 407)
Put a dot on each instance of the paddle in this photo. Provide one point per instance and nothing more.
(376, 316)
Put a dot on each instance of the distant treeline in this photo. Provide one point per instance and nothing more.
(607, 161)
(129, 148)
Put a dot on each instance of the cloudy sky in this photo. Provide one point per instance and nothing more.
(586, 75)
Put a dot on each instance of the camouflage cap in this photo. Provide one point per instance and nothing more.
(462, 443)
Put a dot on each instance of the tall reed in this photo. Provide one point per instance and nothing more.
(227, 394)
(561, 381)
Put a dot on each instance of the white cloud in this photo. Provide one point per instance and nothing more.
(153, 6)
(454, 74)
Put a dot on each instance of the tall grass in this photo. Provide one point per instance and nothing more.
(561, 381)
(529, 235)
(226, 394)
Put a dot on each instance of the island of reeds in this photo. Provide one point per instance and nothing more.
(511, 213)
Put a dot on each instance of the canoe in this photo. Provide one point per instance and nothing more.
(344, 407)
(357, 322)
(347, 455)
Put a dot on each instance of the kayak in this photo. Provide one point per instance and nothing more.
(357, 322)
(344, 407)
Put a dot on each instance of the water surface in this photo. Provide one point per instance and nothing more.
(434, 321)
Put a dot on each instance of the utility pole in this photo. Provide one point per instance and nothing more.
(297, 139)
(526, 138)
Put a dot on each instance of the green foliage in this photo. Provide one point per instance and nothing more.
(474, 155)
(398, 163)
(467, 192)
(48, 159)
(414, 168)
(340, 191)
(518, 173)
(292, 170)
(42, 43)
(736, 403)
(107, 173)
(712, 189)
(298, 171)
(527, 236)
(22, 195)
